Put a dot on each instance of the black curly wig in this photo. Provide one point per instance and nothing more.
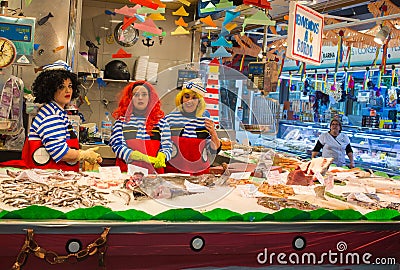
(46, 84)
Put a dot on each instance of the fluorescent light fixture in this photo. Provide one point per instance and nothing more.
(167, 0)
(104, 28)
(115, 21)
(382, 35)
(210, 28)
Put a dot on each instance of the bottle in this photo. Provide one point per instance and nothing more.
(106, 126)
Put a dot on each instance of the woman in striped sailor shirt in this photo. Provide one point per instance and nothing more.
(195, 140)
(52, 142)
(140, 136)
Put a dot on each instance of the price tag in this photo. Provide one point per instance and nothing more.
(240, 175)
(110, 173)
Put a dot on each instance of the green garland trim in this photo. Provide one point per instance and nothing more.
(36, 212)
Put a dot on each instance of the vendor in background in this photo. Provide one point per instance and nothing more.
(140, 136)
(334, 144)
(52, 143)
(193, 133)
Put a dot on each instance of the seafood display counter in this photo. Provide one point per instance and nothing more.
(60, 220)
(376, 149)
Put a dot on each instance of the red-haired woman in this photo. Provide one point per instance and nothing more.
(140, 136)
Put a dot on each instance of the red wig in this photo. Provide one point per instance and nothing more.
(153, 111)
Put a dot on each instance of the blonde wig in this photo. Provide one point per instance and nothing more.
(201, 107)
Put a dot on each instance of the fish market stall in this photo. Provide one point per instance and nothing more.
(59, 220)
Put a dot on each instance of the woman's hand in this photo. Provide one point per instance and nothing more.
(210, 126)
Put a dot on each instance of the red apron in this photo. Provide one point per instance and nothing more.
(189, 155)
(148, 147)
(36, 156)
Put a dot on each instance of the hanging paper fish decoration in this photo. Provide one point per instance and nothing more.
(98, 40)
(45, 19)
(59, 48)
(109, 12)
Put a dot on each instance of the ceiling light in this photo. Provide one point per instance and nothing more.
(382, 35)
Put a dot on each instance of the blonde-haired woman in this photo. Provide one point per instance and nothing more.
(193, 134)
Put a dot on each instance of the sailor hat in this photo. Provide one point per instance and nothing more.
(195, 85)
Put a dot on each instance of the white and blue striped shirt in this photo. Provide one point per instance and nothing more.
(138, 124)
(50, 126)
(185, 126)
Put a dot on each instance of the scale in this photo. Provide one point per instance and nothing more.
(19, 30)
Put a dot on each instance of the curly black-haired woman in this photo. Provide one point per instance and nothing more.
(52, 142)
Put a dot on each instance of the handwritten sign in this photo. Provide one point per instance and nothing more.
(304, 34)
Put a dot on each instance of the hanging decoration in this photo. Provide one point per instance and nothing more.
(180, 31)
(181, 12)
(160, 4)
(339, 53)
(148, 42)
(45, 19)
(326, 81)
(181, 22)
(259, 18)
(384, 55)
(393, 74)
(145, 3)
(315, 80)
(209, 8)
(221, 52)
(127, 11)
(221, 41)
(146, 10)
(148, 26)
(224, 4)
(156, 17)
(365, 84)
(265, 4)
(230, 16)
(209, 21)
(127, 22)
(121, 53)
(185, 2)
(211, 97)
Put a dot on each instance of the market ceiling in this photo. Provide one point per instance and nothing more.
(338, 11)
(280, 8)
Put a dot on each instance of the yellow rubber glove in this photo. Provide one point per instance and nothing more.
(160, 161)
(136, 155)
(90, 155)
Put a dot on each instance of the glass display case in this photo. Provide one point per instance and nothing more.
(373, 148)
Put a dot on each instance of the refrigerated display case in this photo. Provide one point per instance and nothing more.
(376, 149)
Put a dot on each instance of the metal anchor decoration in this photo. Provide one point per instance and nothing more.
(148, 43)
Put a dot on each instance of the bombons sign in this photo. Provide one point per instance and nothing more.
(304, 34)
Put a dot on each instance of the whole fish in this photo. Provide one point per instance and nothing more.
(45, 19)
